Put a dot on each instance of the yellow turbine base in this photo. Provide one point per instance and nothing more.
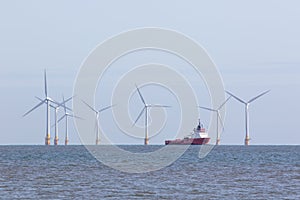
(247, 141)
(47, 139)
(146, 141)
(56, 141)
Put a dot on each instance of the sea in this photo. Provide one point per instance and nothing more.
(227, 172)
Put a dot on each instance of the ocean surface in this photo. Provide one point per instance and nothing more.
(228, 172)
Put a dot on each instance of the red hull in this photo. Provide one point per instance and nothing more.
(188, 141)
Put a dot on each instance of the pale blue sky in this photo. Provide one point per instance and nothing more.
(255, 44)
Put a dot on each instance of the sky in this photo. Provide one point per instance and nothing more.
(255, 45)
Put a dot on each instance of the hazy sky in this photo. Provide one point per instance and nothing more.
(255, 44)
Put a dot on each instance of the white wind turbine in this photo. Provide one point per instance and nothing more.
(47, 101)
(67, 115)
(146, 107)
(247, 104)
(97, 112)
(217, 111)
(56, 108)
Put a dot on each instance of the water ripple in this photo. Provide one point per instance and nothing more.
(228, 172)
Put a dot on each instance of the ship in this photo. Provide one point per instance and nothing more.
(199, 136)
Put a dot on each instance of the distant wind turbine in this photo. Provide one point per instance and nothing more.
(47, 101)
(247, 104)
(97, 112)
(146, 107)
(56, 108)
(217, 111)
(67, 115)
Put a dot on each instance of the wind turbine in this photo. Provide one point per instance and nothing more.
(146, 107)
(247, 104)
(97, 112)
(47, 101)
(217, 111)
(56, 108)
(66, 115)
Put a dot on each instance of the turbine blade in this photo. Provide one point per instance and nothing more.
(34, 108)
(61, 105)
(205, 108)
(240, 100)
(49, 100)
(68, 99)
(143, 100)
(105, 108)
(139, 116)
(45, 82)
(74, 116)
(253, 99)
(58, 104)
(52, 101)
(39, 98)
(64, 104)
(61, 118)
(224, 102)
(67, 108)
(65, 101)
(89, 106)
(159, 106)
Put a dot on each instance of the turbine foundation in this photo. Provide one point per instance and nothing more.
(146, 141)
(66, 141)
(247, 141)
(97, 141)
(56, 141)
(47, 139)
(218, 141)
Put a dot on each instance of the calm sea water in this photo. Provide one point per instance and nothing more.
(228, 172)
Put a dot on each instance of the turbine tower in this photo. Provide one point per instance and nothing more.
(247, 104)
(146, 107)
(97, 112)
(66, 115)
(56, 109)
(47, 101)
(217, 111)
